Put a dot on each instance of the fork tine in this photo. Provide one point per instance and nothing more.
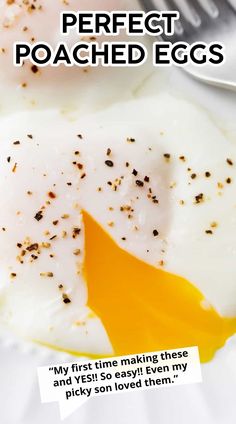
(225, 8)
(186, 25)
(172, 5)
(197, 8)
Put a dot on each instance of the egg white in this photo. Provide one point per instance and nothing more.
(32, 302)
(84, 89)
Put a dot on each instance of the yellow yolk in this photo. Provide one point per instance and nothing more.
(143, 308)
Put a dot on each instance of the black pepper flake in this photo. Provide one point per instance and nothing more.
(9, 159)
(166, 155)
(80, 136)
(199, 198)
(108, 152)
(19, 245)
(60, 286)
(228, 180)
(16, 143)
(131, 140)
(14, 168)
(38, 216)
(109, 163)
(123, 238)
(193, 176)
(229, 162)
(127, 164)
(134, 172)
(83, 176)
(55, 222)
(34, 69)
(32, 247)
(30, 136)
(155, 233)
(76, 232)
(53, 237)
(139, 183)
(209, 232)
(69, 184)
(65, 298)
(207, 174)
(52, 195)
(146, 179)
(47, 274)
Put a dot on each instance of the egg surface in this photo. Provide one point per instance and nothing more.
(84, 89)
(117, 229)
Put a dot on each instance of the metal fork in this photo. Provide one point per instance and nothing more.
(215, 23)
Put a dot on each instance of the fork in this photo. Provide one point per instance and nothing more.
(217, 22)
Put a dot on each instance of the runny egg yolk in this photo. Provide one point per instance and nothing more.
(143, 308)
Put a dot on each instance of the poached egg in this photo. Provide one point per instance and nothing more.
(117, 229)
